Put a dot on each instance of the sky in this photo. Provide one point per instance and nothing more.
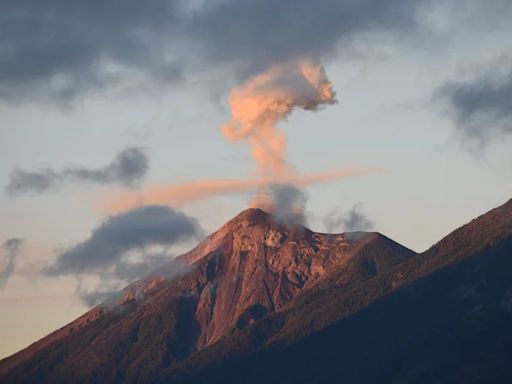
(130, 130)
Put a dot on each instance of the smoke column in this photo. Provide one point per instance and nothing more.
(269, 97)
(257, 106)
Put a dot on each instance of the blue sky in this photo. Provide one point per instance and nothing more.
(170, 96)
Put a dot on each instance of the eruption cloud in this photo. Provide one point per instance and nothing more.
(182, 193)
(286, 202)
(257, 106)
(269, 97)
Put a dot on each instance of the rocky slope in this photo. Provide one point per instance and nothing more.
(261, 302)
(443, 316)
(250, 268)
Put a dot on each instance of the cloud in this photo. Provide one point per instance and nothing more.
(481, 106)
(127, 169)
(286, 202)
(351, 221)
(112, 288)
(59, 50)
(91, 298)
(116, 277)
(179, 194)
(11, 248)
(265, 32)
(118, 234)
(120, 250)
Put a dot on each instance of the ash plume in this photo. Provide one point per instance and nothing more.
(11, 249)
(286, 202)
(268, 98)
(257, 106)
(351, 221)
(182, 193)
(126, 169)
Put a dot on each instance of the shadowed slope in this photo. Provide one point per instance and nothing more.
(260, 302)
(442, 316)
(250, 268)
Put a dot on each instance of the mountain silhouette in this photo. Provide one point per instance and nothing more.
(261, 301)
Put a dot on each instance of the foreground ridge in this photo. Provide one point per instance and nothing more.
(257, 293)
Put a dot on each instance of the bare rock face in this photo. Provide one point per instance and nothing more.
(257, 266)
(252, 266)
(287, 295)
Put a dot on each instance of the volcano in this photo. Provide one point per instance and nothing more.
(261, 301)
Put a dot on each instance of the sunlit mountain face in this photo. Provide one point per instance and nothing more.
(259, 296)
(247, 191)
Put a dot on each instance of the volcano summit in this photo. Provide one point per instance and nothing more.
(258, 301)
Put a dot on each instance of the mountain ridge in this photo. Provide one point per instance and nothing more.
(494, 230)
(214, 312)
(251, 266)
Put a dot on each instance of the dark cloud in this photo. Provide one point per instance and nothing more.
(57, 49)
(265, 31)
(119, 234)
(285, 201)
(351, 221)
(11, 248)
(482, 106)
(127, 169)
(116, 252)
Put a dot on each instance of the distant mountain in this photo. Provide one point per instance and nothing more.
(258, 301)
